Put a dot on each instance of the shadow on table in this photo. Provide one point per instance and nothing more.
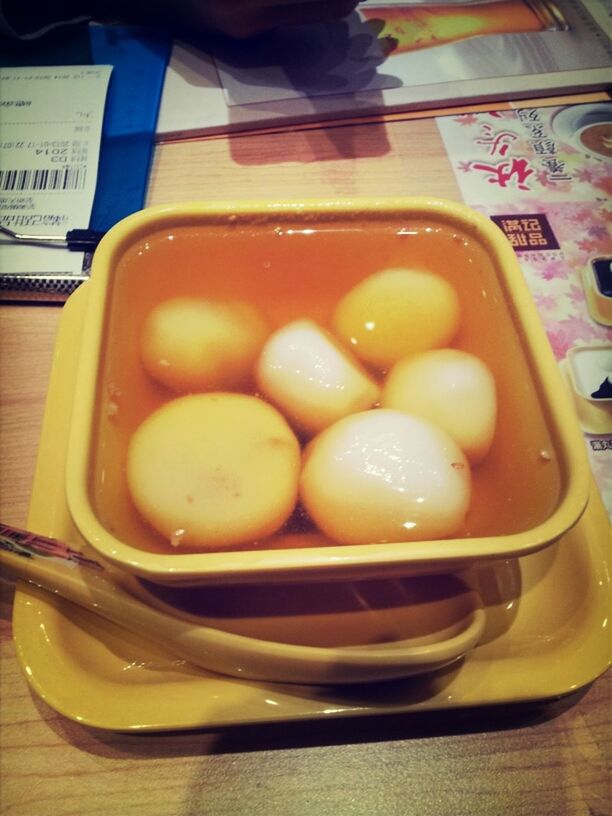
(310, 145)
(309, 73)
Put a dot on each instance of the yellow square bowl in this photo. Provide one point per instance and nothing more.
(297, 260)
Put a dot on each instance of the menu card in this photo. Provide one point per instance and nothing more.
(544, 176)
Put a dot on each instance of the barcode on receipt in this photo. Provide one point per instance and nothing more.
(64, 178)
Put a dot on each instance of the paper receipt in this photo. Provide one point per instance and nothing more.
(50, 132)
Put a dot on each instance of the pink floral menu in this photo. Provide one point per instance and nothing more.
(544, 175)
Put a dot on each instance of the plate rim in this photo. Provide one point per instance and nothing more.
(35, 662)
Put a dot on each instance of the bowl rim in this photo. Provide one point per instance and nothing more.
(349, 560)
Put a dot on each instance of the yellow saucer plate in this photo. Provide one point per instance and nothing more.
(546, 632)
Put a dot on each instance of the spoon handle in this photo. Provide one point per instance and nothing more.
(30, 545)
(57, 568)
(53, 566)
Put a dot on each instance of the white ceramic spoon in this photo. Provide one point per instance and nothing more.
(54, 566)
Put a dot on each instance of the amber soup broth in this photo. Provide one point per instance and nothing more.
(301, 270)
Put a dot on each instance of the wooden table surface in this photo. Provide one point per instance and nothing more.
(541, 759)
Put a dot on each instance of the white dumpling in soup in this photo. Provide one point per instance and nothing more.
(382, 475)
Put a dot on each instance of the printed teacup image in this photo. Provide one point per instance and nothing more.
(587, 128)
(597, 139)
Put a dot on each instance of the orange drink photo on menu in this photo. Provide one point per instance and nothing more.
(417, 26)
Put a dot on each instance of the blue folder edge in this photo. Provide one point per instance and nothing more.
(139, 57)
